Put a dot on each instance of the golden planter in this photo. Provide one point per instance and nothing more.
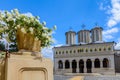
(27, 42)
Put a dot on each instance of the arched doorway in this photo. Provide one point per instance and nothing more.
(74, 66)
(97, 63)
(81, 66)
(60, 64)
(67, 64)
(105, 63)
(89, 66)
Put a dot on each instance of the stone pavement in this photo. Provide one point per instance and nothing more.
(96, 77)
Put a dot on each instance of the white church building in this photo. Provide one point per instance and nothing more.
(90, 55)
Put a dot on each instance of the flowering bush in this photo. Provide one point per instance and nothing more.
(11, 21)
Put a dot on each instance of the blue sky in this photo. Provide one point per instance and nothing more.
(72, 13)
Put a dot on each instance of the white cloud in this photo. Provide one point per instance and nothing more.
(106, 37)
(114, 11)
(113, 18)
(108, 34)
(118, 44)
(111, 31)
(103, 7)
(55, 41)
(48, 52)
(111, 23)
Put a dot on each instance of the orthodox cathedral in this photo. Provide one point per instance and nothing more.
(90, 55)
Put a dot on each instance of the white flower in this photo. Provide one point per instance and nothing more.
(16, 12)
(15, 27)
(8, 14)
(24, 19)
(38, 17)
(28, 21)
(5, 27)
(45, 28)
(54, 27)
(36, 38)
(44, 34)
(44, 23)
(23, 30)
(48, 37)
(9, 19)
(31, 30)
(18, 26)
(31, 18)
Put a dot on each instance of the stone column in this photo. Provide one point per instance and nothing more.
(63, 64)
(71, 66)
(63, 70)
(101, 63)
(93, 67)
(77, 66)
(85, 69)
(24, 66)
(93, 64)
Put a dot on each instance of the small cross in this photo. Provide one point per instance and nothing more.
(83, 26)
(96, 24)
(70, 28)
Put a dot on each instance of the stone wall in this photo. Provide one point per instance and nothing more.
(117, 63)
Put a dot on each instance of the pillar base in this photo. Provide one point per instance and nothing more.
(28, 66)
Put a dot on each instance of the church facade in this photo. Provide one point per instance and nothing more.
(89, 55)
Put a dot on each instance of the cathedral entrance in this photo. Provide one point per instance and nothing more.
(81, 66)
(89, 66)
(74, 66)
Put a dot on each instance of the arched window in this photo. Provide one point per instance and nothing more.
(63, 52)
(74, 51)
(81, 50)
(56, 52)
(86, 50)
(95, 49)
(70, 51)
(67, 64)
(74, 66)
(105, 63)
(66, 51)
(59, 52)
(104, 49)
(99, 49)
(81, 66)
(109, 48)
(89, 65)
(90, 50)
(97, 63)
(60, 64)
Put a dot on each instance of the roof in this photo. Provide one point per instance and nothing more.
(70, 32)
(97, 27)
(83, 44)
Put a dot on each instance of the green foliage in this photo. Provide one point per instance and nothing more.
(2, 54)
(11, 21)
(2, 46)
(13, 48)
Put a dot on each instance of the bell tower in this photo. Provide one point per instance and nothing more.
(70, 37)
